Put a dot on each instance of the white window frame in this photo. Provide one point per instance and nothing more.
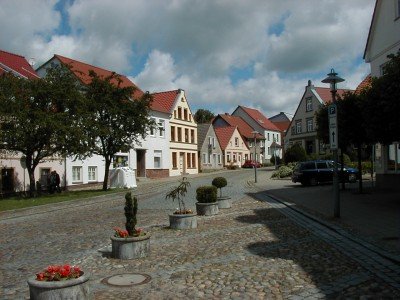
(298, 126)
(310, 125)
(309, 106)
(77, 174)
(204, 158)
(161, 128)
(157, 154)
(92, 170)
(153, 129)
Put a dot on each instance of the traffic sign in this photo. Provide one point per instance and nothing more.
(333, 132)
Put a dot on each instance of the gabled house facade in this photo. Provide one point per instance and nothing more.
(182, 132)
(210, 156)
(265, 127)
(282, 122)
(384, 39)
(235, 151)
(302, 129)
(254, 141)
(14, 177)
(149, 158)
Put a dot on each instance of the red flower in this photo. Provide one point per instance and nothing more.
(76, 269)
(40, 276)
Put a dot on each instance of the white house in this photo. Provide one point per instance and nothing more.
(384, 39)
(264, 126)
(150, 158)
(182, 131)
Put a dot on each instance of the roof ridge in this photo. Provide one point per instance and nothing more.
(13, 53)
(81, 62)
(165, 92)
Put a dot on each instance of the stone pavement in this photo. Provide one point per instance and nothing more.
(258, 249)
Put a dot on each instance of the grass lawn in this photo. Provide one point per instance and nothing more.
(20, 202)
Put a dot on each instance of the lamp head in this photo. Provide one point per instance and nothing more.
(333, 79)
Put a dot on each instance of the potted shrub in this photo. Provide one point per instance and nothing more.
(207, 201)
(182, 218)
(130, 243)
(59, 282)
(219, 183)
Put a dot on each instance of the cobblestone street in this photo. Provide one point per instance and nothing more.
(251, 251)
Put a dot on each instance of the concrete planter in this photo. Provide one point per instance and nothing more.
(77, 288)
(207, 209)
(182, 221)
(130, 247)
(224, 202)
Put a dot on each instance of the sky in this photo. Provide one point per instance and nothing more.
(223, 53)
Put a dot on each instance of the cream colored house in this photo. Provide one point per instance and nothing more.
(234, 148)
(384, 39)
(183, 130)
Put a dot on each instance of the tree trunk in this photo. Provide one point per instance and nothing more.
(107, 171)
(360, 183)
(30, 167)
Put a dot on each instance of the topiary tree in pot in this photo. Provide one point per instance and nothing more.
(182, 218)
(219, 183)
(207, 200)
(223, 202)
(132, 242)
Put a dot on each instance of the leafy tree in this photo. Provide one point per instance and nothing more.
(38, 117)
(115, 122)
(203, 116)
(381, 104)
(295, 153)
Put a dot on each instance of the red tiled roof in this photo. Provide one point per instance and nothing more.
(16, 63)
(164, 101)
(224, 135)
(366, 83)
(262, 120)
(282, 126)
(326, 95)
(244, 128)
(81, 70)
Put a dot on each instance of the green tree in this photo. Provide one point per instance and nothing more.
(115, 121)
(381, 104)
(203, 116)
(38, 117)
(295, 153)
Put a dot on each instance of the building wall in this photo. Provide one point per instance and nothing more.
(300, 131)
(210, 154)
(236, 151)
(12, 171)
(183, 141)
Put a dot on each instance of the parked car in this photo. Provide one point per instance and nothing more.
(320, 171)
(251, 164)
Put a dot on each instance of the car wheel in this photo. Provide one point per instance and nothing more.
(352, 178)
(313, 181)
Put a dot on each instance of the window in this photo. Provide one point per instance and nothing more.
(92, 173)
(309, 104)
(298, 126)
(193, 160)
(152, 129)
(293, 130)
(269, 150)
(188, 159)
(219, 158)
(161, 128)
(173, 133)
(261, 143)
(268, 136)
(179, 112)
(234, 157)
(237, 142)
(186, 135)
(185, 114)
(192, 136)
(76, 174)
(310, 125)
(322, 165)
(393, 156)
(174, 160)
(228, 157)
(204, 158)
(179, 134)
(277, 138)
(157, 159)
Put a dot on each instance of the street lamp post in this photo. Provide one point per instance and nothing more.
(255, 153)
(333, 79)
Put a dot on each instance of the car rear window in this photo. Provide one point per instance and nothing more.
(322, 165)
(309, 165)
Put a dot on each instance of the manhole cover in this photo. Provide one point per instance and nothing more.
(127, 279)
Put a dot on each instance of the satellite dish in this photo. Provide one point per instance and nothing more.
(32, 62)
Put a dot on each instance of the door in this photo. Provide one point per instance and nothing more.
(140, 163)
(7, 180)
(44, 177)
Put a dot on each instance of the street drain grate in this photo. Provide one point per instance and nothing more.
(126, 280)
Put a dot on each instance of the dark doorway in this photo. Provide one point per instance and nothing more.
(309, 147)
(140, 163)
(7, 180)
